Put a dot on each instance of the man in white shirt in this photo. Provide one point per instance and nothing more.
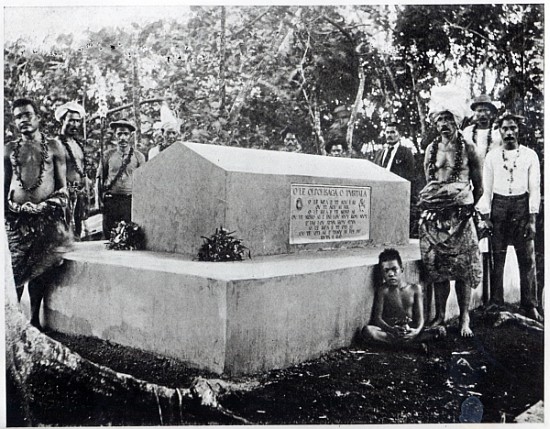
(395, 157)
(485, 138)
(510, 202)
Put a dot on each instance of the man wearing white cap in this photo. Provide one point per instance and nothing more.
(116, 174)
(170, 133)
(71, 115)
(448, 239)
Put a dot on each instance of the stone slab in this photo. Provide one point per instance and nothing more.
(191, 189)
(234, 318)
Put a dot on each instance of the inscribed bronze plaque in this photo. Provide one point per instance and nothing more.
(324, 213)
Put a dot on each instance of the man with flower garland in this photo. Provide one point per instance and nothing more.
(448, 239)
(481, 133)
(115, 173)
(510, 202)
(35, 204)
(71, 115)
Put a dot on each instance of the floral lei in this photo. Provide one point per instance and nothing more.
(121, 169)
(489, 136)
(17, 165)
(457, 168)
(63, 139)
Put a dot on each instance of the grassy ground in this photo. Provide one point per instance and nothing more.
(502, 368)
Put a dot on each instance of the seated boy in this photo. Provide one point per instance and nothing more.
(399, 307)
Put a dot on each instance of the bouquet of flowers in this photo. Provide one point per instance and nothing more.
(221, 247)
(126, 236)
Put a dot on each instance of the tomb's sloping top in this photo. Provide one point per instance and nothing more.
(290, 164)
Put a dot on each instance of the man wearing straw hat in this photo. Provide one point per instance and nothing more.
(116, 174)
(481, 132)
(485, 138)
(71, 115)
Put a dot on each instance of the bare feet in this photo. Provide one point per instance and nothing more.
(438, 321)
(465, 330)
(532, 313)
(493, 307)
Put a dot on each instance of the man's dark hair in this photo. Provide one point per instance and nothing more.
(335, 141)
(392, 124)
(390, 255)
(509, 116)
(289, 129)
(20, 102)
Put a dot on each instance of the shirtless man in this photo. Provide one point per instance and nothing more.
(71, 115)
(399, 306)
(448, 239)
(35, 201)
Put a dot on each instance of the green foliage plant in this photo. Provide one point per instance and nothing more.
(222, 246)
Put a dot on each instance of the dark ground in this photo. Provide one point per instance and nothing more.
(501, 367)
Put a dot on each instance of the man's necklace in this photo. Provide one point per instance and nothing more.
(508, 168)
(489, 136)
(125, 161)
(457, 168)
(17, 164)
(63, 139)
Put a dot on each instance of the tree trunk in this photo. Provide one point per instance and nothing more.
(136, 89)
(320, 141)
(355, 109)
(53, 383)
(221, 72)
(125, 106)
(421, 114)
(518, 319)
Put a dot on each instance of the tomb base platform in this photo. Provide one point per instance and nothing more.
(234, 317)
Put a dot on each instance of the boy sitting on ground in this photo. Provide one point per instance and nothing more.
(399, 307)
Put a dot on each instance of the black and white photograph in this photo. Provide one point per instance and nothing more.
(273, 214)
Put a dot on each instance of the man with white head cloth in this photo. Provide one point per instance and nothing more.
(170, 135)
(448, 239)
(71, 116)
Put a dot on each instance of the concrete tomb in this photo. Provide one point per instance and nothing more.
(277, 202)
(314, 225)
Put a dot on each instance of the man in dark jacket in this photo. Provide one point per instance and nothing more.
(395, 157)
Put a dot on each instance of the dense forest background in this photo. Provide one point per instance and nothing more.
(240, 75)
